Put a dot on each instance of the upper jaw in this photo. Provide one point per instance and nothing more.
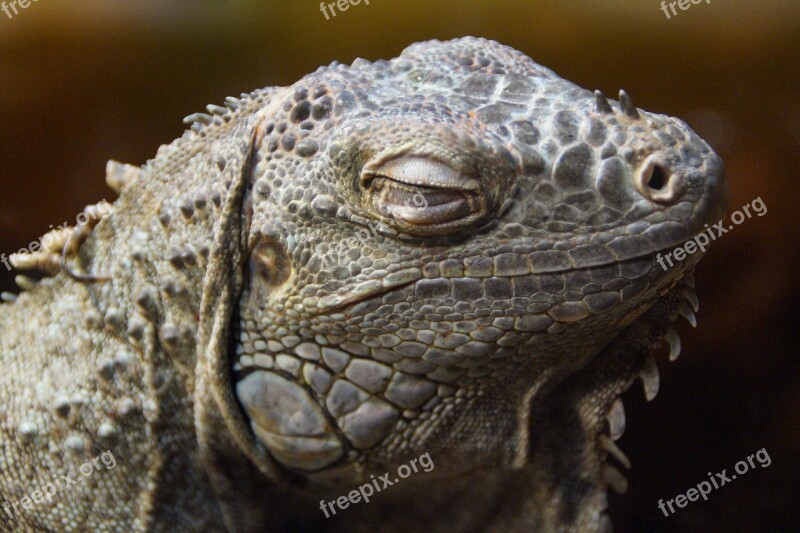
(633, 255)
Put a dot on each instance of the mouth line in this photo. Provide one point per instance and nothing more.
(366, 290)
(403, 278)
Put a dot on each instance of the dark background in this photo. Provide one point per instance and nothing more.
(85, 81)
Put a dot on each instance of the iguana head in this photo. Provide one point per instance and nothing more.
(438, 241)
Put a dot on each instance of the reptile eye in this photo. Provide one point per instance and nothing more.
(657, 182)
(422, 195)
(419, 205)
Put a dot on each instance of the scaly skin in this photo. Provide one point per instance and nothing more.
(448, 253)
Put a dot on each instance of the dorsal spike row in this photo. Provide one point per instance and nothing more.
(61, 243)
(650, 377)
(611, 447)
(119, 175)
(691, 296)
(686, 311)
(232, 103)
(47, 258)
(45, 262)
(218, 115)
(94, 213)
(201, 118)
(216, 109)
(616, 420)
(671, 336)
(627, 105)
(24, 282)
(603, 106)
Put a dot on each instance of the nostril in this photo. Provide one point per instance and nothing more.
(658, 178)
(657, 182)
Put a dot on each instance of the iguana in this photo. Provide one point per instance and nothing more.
(450, 253)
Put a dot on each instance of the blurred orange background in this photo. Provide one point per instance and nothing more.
(84, 81)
